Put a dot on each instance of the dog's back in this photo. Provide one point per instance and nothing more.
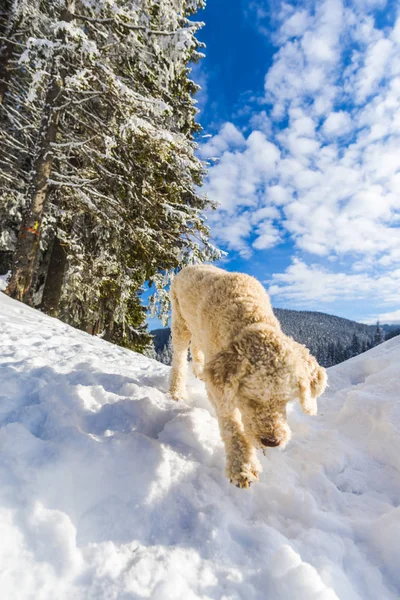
(216, 304)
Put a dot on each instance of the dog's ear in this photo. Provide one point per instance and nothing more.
(312, 382)
(222, 370)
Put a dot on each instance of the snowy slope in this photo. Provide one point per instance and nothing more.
(3, 282)
(110, 490)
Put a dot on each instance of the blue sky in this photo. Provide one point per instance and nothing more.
(300, 103)
(302, 100)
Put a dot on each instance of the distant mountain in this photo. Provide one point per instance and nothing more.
(160, 338)
(392, 327)
(391, 331)
(320, 332)
(331, 339)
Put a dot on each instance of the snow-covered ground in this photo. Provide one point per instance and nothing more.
(110, 490)
(3, 282)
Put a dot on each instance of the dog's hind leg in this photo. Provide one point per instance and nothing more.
(198, 359)
(180, 344)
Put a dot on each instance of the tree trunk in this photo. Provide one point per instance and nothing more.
(21, 285)
(21, 282)
(55, 276)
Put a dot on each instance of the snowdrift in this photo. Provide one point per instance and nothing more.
(110, 490)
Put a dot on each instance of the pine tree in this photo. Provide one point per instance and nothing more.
(150, 351)
(379, 335)
(165, 354)
(112, 198)
(19, 120)
(355, 345)
(340, 353)
(21, 285)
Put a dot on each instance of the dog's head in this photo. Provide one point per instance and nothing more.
(259, 373)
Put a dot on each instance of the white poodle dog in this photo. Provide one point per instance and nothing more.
(251, 369)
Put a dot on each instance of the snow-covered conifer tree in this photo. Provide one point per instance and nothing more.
(19, 118)
(379, 335)
(113, 184)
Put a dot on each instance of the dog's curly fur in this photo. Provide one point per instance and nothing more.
(251, 369)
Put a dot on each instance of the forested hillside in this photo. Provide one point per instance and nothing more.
(98, 174)
(331, 339)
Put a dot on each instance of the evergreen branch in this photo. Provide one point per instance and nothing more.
(11, 41)
(76, 102)
(140, 27)
(8, 177)
(68, 184)
(72, 144)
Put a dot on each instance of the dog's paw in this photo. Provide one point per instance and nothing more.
(198, 371)
(177, 395)
(244, 479)
(310, 407)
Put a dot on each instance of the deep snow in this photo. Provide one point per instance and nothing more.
(110, 490)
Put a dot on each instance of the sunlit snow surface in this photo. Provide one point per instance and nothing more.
(110, 490)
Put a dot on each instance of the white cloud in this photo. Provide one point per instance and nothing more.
(238, 182)
(375, 68)
(227, 139)
(261, 122)
(232, 231)
(266, 239)
(326, 153)
(296, 25)
(267, 234)
(301, 123)
(302, 283)
(337, 124)
(304, 66)
(278, 195)
(388, 317)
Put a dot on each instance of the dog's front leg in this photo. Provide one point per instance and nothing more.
(242, 465)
